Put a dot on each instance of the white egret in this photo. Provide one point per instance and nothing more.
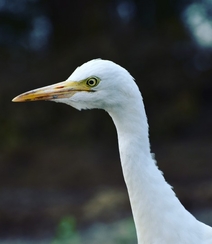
(159, 216)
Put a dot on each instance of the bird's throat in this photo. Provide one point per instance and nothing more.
(152, 199)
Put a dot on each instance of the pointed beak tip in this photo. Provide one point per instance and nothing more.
(15, 99)
(18, 98)
(21, 98)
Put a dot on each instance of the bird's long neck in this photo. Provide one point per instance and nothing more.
(152, 199)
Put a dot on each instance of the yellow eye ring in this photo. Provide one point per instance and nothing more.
(93, 81)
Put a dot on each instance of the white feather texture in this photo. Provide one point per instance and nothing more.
(159, 216)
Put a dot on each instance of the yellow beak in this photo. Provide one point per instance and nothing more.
(63, 89)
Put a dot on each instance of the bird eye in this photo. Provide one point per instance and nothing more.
(92, 82)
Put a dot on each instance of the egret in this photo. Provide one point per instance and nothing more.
(159, 216)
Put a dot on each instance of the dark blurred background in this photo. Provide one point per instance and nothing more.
(59, 168)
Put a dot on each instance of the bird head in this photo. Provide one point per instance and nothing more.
(96, 84)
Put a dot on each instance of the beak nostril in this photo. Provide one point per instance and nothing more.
(59, 87)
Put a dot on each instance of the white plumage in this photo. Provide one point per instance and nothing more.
(159, 216)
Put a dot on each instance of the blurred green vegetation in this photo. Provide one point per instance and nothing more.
(66, 232)
(120, 232)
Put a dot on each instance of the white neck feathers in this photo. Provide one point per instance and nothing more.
(159, 216)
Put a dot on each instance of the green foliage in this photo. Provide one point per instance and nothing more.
(66, 232)
(120, 232)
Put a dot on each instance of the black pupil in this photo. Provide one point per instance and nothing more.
(92, 82)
